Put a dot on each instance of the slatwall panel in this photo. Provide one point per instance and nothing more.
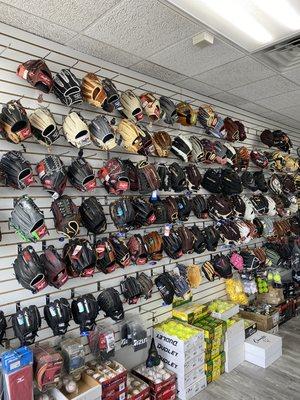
(17, 46)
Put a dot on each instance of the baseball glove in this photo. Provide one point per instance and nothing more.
(110, 303)
(67, 88)
(162, 143)
(282, 141)
(102, 134)
(81, 175)
(209, 151)
(219, 207)
(132, 108)
(239, 206)
(267, 138)
(148, 177)
(26, 323)
(209, 271)
(251, 262)
(168, 110)
(231, 155)
(113, 177)
(187, 239)
(177, 177)
(144, 213)
(147, 147)
(182, 148)
(180, 285)
(248, 182)
(146, 285)
(122, 213)
(76, 130)
(80, 258)
(222, 266)
(199, 206)
(28, 220)
(14, 122)
(173, 245)
(230, 233)
(154, 245)
(130, 289)
(260, 181)
(150, 106)
(165, 286)
(231, 182)
(241, 162)
(184, 207)
(66, 216)
(207, 116)
(92, 216)
(58, 315)
(199, 243)
(171, 207)
(197, 149)
(242, 131)
(212, 181)
(212, 237)
(92, 90)
(231, 130)
(43, 126)
(29, 270)
(221, 153)
(85, 311)
(186, 114)
(17, 171)
(259, 159)
(37, 73)
(288, 184)
(137, 249)
(131, 135)
(106, 256)
(160, 212)
(260, 204)
(121, 251)
(194, 276)
(53, 175)
(163, 173)
(55, 268)
(131, 171)
(194, 177)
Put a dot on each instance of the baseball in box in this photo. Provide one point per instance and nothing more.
(190, 313)
(223, 309)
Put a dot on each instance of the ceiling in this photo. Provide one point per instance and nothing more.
(151, 37)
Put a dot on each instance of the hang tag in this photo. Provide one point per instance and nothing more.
(52, 311)
(76, 253)
(80, 307)
(110, 341)
(167, 230)
(153, 196)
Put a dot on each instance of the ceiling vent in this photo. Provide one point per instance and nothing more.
(282, 56)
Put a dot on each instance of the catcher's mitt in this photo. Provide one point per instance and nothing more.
(194, 177)
(212, 181)
(92, 216)
(26, 323)
(212, 237)
(122, 213)
(37, 73)
(154, 245)
(79, 257)
(187, 239)
(130, 289)
(102, 134)
(148, 177)
(144, 212)
(113, 177)
(81, 175)
(146, 285)
(184, 207)
(165, 286)
(28, 220)
(43, 126)
(66, 216)
(106, 256)
(57, 314)
(29, 270)
(163, 173)
(131, 171)
(137, 249)
(55, 268)
(76, 130)
(173, 245)
(121, 251)
(67, 88)
(110, 303)
(182, 148)
(199, 243)
(85, 311)
(150, 106)
(14, 122)
(194, 276)
(177, 177)
(92, 90)
(132, 108)
(53, 175)
(171, 207)
(199, 206)
(17, 171)
(168, 110)
(197, 149)
(162, 143)
(186, 114)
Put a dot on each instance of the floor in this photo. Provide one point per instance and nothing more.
(248, 382)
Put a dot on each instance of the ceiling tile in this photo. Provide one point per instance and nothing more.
(236, 73)
(198, 87)
(156, 71)
(265, 88)
(229, 98)
(20, 19)
(293, 74)
(293, 112)
(191, 60)
(281, 101)
(255, 108)
(75, 14)
(142, 27)
(102, 50)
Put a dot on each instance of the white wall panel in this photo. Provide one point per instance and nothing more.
(23, 46)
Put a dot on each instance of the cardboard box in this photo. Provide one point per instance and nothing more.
(250, 327)
(88, 389)
(274, 330)
(183, 368)
(215, 374)
(192, 390)
(263, 322)
(213, 328)
(183, 381)
(225, 315)
(234, 357)
(273, 297)
(190, 313)
(263, 349)
(215, 363)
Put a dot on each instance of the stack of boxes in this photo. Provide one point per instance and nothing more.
(234, 343)
(181, 348)
(263, 349)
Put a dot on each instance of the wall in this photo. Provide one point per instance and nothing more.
(18, 46)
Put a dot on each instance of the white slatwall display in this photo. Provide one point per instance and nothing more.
(18, 46)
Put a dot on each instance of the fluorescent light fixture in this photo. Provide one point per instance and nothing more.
(252, 24)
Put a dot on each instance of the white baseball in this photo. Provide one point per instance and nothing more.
(71, 387)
